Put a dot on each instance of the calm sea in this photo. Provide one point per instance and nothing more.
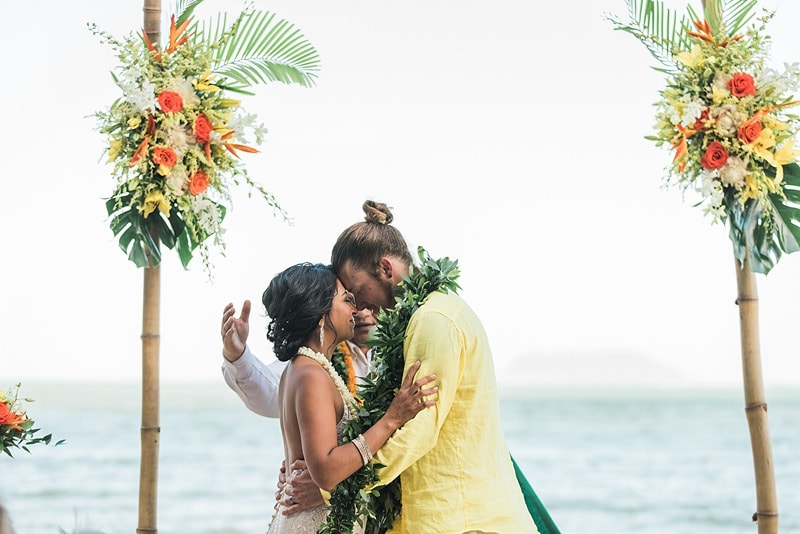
(601, 461)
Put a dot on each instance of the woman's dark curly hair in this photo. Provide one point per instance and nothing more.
(295, 300)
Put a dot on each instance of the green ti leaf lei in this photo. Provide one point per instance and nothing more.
(349, 500)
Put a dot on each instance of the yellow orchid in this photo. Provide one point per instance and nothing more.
(163, 170)
(155, 199)
(762, 145)
(750, 189)
(774, 124)
(134, 122)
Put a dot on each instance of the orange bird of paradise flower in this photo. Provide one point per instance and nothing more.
(175, 38)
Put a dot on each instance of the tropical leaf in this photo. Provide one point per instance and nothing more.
(657, 27)
(766, 239)
(257, 47)
(184, 10)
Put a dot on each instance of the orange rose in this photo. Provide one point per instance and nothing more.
(164, 155)
(742, 84)
(198, 183)
(715, 156)
(203, 128)
(749, 131)
(170, 101)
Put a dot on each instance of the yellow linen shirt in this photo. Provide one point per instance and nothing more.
(454, 465)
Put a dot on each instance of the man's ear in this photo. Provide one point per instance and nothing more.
(385, 268)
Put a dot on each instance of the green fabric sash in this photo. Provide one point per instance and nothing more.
(538, 512)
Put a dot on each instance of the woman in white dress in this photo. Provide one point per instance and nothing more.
(311, 312)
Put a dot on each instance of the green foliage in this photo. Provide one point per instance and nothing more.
(257, 47)
(766, 234)
(381, 505)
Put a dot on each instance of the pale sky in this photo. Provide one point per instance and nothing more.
(506, 134)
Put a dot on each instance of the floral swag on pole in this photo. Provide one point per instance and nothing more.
(175, 137)
(16, 427)
(725, 114)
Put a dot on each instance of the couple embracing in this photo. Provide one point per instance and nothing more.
(442, 432)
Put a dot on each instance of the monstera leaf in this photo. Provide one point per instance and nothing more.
(766, 237)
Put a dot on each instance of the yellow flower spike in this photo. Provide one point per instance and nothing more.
(114, 148)
(155, 199)
(229, 103)
(205, 83)
(134, 122)
(691, 59)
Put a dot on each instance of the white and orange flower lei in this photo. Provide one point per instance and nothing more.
(337, 380)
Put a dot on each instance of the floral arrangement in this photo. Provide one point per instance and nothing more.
(726, 115)
(175, 137)
(16, 428)
(349, 500)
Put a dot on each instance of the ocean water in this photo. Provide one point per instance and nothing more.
(602, 461)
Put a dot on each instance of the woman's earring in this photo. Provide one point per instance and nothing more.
(321, 336)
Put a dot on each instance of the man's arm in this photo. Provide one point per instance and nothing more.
(255, 382)
(434, 340)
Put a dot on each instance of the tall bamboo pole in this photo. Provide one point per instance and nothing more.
(755, 400)
(150, 429)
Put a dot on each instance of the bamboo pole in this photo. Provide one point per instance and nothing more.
(755, 400)
(150, 430)
(151, 302)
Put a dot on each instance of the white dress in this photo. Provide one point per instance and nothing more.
(308, 521)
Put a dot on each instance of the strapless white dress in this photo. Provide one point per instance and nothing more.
(308, 521)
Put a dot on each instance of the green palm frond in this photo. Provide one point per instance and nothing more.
(657, 27)
(726, 17)
(184, 10)
(257, 47)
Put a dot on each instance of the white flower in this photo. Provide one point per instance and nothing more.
(733, 172)
(728, 118)
(185, 88)
(178, 138)
(207, 214)
(240, 122)
(176, 181)
(691, 112)
(713, 195)
(142, 95)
